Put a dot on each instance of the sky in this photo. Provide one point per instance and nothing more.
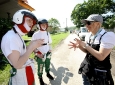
(58, 9)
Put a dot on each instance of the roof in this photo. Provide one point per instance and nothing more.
(11, 6)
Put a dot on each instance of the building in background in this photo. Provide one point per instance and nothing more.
(9, 7)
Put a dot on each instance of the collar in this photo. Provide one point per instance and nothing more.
(94, 36)
(102, 31)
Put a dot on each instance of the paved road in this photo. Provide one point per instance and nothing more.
(64, 65)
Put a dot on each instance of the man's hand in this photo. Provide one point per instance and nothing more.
(72, 45)
(35, 44)
(50, 50)
(76, 44)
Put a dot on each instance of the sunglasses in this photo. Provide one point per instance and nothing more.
(88, 22)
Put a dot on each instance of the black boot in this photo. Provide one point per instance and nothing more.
(49, 76)
(41, 81)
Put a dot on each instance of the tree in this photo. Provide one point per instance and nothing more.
(54, 23)
(66, 29)
(5, 25)
(81, 11)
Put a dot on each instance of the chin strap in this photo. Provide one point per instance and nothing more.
(42, 29)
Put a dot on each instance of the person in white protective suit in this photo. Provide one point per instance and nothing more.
(43, 53)
(15, 50)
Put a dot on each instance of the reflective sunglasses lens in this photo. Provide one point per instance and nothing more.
(88, 23)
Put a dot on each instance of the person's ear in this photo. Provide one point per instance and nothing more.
(99, 24)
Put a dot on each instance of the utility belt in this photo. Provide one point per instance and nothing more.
(29, 63)
(16, 75)
(99, 77)
(45, 55)
(96, 76)
(13, 71)
(48, 54)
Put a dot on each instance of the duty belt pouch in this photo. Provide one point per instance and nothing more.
(86, 69)
(13, 72)
(48, 53)
(101, 77)
(89, 71)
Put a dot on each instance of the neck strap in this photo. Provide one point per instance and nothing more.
(19, 36)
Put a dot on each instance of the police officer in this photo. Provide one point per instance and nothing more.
(43, 54)
(95, 68)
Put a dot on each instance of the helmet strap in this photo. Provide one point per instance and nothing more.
(42, 28)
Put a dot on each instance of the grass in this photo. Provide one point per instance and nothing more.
(114, 48)
(56, 38)
(26, 38)
(4, 75)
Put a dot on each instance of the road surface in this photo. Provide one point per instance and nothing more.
(65, 63)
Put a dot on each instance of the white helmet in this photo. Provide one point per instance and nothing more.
(19, 20)
(19, 16)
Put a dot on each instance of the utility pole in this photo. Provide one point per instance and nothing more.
(66, 28)
(66, 22)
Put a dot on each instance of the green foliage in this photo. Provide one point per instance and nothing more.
(66, 29)
(57, 38)
(54, 23)
(109, 21)
(72, 28)
(25, 37)
(3, 61)
(5, 25)
(4, 75)
(82, 11)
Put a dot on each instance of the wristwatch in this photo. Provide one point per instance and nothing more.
(86, 45)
